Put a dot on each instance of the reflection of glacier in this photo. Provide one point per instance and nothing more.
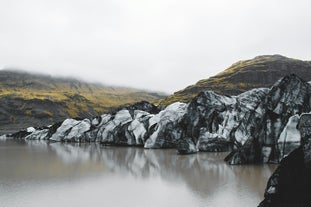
(202, 172)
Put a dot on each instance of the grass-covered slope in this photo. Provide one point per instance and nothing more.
(35, 100)
(262, 71)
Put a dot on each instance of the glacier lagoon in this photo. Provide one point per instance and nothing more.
(38, 173)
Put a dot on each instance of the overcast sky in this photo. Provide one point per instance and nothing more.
(161, 45)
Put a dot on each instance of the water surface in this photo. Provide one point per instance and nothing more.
(37, 174)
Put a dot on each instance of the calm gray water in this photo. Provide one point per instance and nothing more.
(40, 174)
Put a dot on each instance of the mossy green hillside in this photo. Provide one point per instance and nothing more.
(34, 100)
(262, 71)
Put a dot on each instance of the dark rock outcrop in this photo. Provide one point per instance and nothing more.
(287, 97)
(186, 146)
(214, 145)
(164, 127)
(290, 183)
(142, 106)
(218, 122)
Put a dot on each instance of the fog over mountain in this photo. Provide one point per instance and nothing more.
(143, 44)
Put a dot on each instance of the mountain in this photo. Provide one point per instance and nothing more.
(28, 99)
(262, 71)
(259, 125)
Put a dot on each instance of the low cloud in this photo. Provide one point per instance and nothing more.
(161, 45)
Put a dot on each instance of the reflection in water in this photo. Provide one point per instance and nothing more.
(203, 178)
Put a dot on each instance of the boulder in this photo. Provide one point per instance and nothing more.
(71, 130)
(290, 137)
(186, 146)
(38, 135)
(164, 130)
(290, 183)
(288, 97)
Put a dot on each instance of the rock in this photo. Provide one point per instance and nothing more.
(30, 129)
(231, 120)
(290, 137)
(115, 130)
(163, 127)
(77, 132)
(186, 146)
(19, 135)
(141, 106)
(97, 127)
(249, 153)
(290, 183)
(71, 130)
(214, 145)
(138, 127)
(125, 127)
(64, 129)
(38, 135)
(287, 97)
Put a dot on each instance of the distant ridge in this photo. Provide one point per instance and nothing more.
(261, 71)
(28, 99)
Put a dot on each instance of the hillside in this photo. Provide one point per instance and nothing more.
(262, 71)
(35, 100)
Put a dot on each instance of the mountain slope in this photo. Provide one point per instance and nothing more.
(35, 100)
(262, 71)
